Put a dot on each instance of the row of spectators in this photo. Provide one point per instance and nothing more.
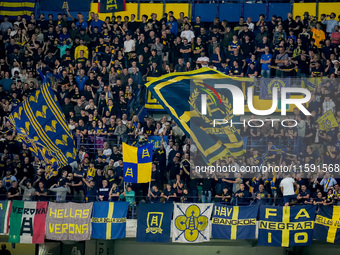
(103, 65)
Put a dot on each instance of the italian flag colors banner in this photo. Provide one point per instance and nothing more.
(27, 224)
(5, 213)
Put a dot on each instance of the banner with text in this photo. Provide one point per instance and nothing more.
(286, 226)
(68, 221)
(234, 222)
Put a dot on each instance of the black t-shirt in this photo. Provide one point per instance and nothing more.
(13, 191)
(41, 198)
(3, 193)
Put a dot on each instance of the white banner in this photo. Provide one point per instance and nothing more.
(191, 223)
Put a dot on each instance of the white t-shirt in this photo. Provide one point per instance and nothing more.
(188, 34)
(205, 59)
(288, 186)
(128, 45)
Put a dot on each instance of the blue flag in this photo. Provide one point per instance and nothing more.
(181, 95)
(234, 222)
(327, 224)
(109, 220)
(41, 125)
(286, 226)
(153, 223)
(267, 86)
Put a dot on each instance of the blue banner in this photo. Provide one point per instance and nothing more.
(41, 125)
(153, 223)
(73, 5)
(267, 85)
(109, 220)
(157, 140)
(327, 224)
(234, 222)
(286, 226)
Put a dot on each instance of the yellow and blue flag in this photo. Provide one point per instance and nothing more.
(311, 83)
(327, 224)
(234, 222)
(109, 220)
(154, 222)
(137, 163)
(286, 226)
(181, 95)
(41, 125)
(327, 121)
(13, 8)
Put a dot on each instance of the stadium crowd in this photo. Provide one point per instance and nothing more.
(103, 66)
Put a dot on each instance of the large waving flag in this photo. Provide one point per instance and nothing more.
(137, 163)
(41, 125)
(181, 93)
(109, 220)
(13, 8)
(327, 224)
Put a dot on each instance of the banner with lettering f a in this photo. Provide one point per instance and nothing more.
(27, 223)
(137, 163)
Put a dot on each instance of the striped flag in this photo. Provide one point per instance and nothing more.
(13, 8)
(5, 212)
(27, 222)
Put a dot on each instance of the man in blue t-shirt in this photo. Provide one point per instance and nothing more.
(96, 23)
(266, 59)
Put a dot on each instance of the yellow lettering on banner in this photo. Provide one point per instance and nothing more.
(270, 212)
(78, 213)
(78, 229)
(71, 213)
(54, 213)
(85, 229)
(64, 228)
(60, 213)
(86, 213)
(269, 237)
(302, 213)
(1, 207)
(303, 234)
(51, 227)
(129, 172)
(71, 228)
(154, 220)
(145, 153)
(57, 228)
